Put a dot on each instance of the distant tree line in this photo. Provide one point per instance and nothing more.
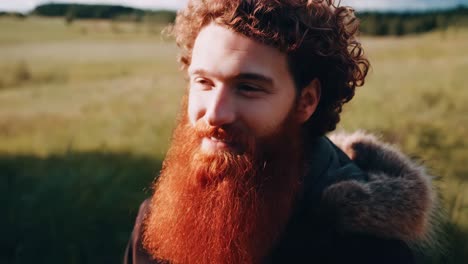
(372, 23)
(12, 14)
(398, 24)
(84, 11)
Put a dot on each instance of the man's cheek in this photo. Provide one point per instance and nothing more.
(194, 109)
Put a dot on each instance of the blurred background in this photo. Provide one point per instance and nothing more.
(89, 93)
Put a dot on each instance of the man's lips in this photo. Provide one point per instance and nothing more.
(215, 139)
(212, 144)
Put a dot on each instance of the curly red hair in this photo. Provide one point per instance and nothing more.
(318, 37)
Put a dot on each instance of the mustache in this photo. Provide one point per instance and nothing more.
(229, 134)
(217, 132)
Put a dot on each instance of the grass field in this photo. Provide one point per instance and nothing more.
(87, 109)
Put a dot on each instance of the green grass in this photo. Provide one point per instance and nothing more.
(101, 90)
(87, 110)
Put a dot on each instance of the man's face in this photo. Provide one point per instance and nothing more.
(232, 173)
(239, 84)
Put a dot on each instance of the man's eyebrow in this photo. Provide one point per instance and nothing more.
(197, 72)
(254, 77)
(241, 76)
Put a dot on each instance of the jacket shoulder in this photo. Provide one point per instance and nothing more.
(135, 252)
(395, 200)
(363, 248)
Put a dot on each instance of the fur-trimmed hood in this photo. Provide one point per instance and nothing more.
(396, 200)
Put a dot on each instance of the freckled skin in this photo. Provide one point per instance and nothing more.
(238, 82)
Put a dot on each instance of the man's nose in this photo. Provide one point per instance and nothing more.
(221, 110)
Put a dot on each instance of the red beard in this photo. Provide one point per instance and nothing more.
(226, 207)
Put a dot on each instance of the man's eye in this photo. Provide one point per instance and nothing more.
(202, 83)
(249, 90)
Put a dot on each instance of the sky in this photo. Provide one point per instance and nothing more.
(359, 5)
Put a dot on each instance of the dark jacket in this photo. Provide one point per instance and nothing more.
(363, 202)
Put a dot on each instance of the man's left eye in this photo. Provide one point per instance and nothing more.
(249, 90)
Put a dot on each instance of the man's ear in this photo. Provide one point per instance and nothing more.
(308, 101)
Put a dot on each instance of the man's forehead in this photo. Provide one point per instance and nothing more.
(221, 49)
(223, 35)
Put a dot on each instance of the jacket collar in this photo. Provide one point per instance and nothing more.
(371, 187)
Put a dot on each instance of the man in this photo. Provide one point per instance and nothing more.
(250, 176)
